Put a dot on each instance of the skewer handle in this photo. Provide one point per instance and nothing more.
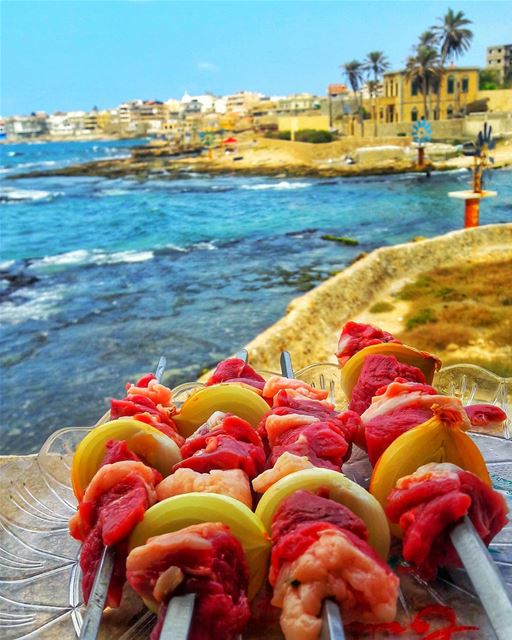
(485, 576)
(242, 355)
(160, 368)
(178, 617)
(286, 365)
(98, 597)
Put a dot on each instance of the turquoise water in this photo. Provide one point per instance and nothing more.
(100, 277)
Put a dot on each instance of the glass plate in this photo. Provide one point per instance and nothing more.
(40, 593)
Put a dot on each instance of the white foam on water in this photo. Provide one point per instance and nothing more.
(279, 186)
(37, 305)
(10, 194)
(95, 256)
(6, 264)
(113, 192)
(209, 246)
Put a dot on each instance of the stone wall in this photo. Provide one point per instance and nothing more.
(309, 328)
(501, 123)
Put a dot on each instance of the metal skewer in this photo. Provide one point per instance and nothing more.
(98, 596)
(180, 609)
(332, 624)
(485, 576)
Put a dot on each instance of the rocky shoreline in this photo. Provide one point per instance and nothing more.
(138, 169)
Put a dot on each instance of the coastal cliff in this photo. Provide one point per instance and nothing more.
(311, 326)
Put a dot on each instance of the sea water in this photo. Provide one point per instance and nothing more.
(100, 277)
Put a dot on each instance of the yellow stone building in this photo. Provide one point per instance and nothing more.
(402, 100)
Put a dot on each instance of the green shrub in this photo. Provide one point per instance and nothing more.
(381, 307)
(284, 135)
(314, 136)
(424, 316)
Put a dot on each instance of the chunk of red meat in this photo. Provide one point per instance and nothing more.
(218, 576)
(144, 410)
(117, 451)
(304, 507)
(378, 371)
(236, 370)
(348, 422)
(230, 444)
(386, 428)
(230, 425)
(90, 555)
(427, 509)
(302, 517)
(323, 443)
(224, 452)
(143, 382)
(356, 336)
(485, 415)
(109, 521)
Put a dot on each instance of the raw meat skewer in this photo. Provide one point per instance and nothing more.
(180, 610)
(104, 572)
(332, 624)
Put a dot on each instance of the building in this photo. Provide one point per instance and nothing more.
(298, 103)
(402, 99)
(499, 58)
(241, 103)
(336, 90)
(26, 126)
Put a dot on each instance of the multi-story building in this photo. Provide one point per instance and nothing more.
(499, 58)
(298, 103)
(402, 100)
(26, 126)
(242, 102)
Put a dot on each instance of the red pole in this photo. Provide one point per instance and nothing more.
(421, 157)
(472, 211)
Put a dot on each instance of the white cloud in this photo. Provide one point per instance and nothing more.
(207, 66)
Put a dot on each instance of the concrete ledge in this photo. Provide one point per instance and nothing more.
(309, 328)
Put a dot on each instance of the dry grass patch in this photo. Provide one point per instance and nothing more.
(465, 309)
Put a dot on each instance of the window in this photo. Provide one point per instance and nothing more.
(396, 88)
(449, 112)
(414, 114)
(436, 113)
(435, 86)
(465, 85)
(414, 87)
(451, 84)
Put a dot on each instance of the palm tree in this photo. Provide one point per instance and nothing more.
(353, 71)
(428, 38)
(375, 64)
(454, 38)
(424, 68)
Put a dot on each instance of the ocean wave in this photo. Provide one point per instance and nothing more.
(31, 165)
(83, 257)
(208, 245)
(112, 192)
(32, 305)
(9, 194)
(279, 186)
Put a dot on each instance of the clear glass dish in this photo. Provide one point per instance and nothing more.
(40, 594)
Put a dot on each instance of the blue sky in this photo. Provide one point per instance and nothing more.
(67, 55)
